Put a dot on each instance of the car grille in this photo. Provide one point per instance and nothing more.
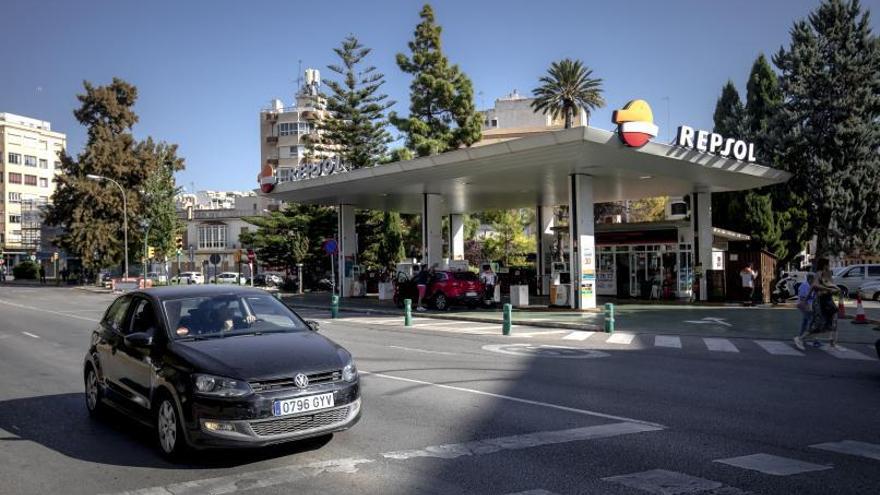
(285, 383)
(295, 424)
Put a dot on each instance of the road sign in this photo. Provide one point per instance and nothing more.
(330, 246)
(215, 259)
(251, 255)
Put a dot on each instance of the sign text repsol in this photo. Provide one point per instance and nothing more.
(709, 142)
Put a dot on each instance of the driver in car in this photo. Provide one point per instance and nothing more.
(223, 319)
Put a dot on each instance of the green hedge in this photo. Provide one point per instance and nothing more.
(26, 270)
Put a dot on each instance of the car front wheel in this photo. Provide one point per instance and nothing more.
(440, 302)
(169, 431)
(93, 394)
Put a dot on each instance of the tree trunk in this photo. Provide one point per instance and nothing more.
(568, 118)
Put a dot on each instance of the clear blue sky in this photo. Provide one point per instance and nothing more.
(205, 68)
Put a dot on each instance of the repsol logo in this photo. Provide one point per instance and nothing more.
(710, 142)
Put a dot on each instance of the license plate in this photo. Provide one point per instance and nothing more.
(471, 294)
(302, 404)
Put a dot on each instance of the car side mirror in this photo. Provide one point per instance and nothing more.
(140, 340)
(313, 325)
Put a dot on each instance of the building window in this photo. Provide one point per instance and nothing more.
(14, 178)
(57, 165)
(14, 197)
(15, 158)
(44, 164)
(30, 161)
(14, 218)
(212, 236)
(44, 182)
(294, 128)
(30, 180)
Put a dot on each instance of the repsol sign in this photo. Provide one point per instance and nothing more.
(710, 142)
(327, 166)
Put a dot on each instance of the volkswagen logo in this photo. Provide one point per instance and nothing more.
(301, 381)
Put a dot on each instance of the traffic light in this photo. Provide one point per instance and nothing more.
(179, 243)
(151, 252)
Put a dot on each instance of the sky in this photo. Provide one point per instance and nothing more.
(204, 69)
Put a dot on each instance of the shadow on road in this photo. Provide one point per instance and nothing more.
(60, 423)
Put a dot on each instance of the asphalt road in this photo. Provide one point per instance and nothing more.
(454, 407)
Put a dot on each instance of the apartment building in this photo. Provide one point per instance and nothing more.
(29, 160)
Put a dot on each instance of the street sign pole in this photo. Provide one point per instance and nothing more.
(178, 267)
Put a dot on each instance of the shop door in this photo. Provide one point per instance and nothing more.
(623, 275)
(638, 264)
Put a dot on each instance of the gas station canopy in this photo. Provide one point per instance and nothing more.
(532, 171)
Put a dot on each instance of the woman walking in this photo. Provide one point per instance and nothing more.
(824, 309)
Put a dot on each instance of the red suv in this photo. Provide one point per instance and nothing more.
(445, 288)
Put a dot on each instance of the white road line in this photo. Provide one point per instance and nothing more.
(254, 479)
(515, 399)
(413, 349)
(621, 338)
(663, 482)
(578, 335)
(537, 333)
(852, 447)
(539, 491)
(519, 442)
(772, 464)
(844, 353)
(719, 345)
(31, 335)
(778, 348)
(41, 310)
(667, 341)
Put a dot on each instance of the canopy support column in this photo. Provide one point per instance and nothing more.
(582, 242)
(456, 236)
(701, 222)
(346, 247)
(432, 229)
(545, 219)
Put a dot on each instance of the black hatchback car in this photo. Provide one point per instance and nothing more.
(219, 366)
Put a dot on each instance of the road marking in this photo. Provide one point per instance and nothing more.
(578, 335)
(545, 351)
(31, 335)
(254, 479)
(519, 442)
(413, 349)
(548, 405)
(709, 320)
(667, 341)
(664, 482)
(621, 338)
(772, 464)
(719, 345)
(59, 313)
(852, 447)
(539, 491)
(537, 333)
(778, 348)
(844, 353)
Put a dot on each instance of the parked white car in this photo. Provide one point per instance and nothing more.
(870, 291)
(186, 278)
(157, 278)
(850, 278)
(229, 278)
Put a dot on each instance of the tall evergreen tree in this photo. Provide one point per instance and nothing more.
(160, 189)
(355, 129)
(90, 212)
(442, 115)
(829, 125)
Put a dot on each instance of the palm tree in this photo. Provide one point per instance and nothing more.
(566, 88)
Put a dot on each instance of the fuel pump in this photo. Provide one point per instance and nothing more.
(560, 283)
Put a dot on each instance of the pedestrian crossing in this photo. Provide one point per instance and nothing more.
(720, 345)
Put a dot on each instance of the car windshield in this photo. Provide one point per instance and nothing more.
(227, 315)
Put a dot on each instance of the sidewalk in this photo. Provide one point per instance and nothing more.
(770, 322)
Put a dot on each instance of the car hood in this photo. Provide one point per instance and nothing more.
(262, 357)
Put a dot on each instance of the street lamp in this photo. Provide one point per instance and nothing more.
(146, 226)
(124, 213)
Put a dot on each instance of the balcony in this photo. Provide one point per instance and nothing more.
(272, 139)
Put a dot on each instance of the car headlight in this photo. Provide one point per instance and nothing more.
(219, 386)
(350, 372)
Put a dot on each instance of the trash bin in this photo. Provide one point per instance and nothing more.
(519, 295)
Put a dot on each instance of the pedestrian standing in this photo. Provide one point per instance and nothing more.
(3, 273)
(805, 306)
(748, 276)
(421, 280)
(488, 278)
(824, 310)
(42, 274)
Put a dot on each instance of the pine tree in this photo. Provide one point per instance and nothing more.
(91, 212)
(829, 125)
(729, 118)
(442, 116)
(355, 129)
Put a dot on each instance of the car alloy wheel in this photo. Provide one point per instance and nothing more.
(440, 302)
(166, 424)
(93, 392)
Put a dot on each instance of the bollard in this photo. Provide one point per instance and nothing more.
(609, 318)
(407, 312)
(334, 306)
(505, 326)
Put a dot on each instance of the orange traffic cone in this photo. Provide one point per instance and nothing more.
(860, 312)
(841, 311)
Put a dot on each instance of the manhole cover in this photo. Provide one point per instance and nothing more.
(547, 351)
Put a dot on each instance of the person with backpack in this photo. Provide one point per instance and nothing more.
(805, 306)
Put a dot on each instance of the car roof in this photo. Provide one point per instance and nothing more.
(179, 291)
